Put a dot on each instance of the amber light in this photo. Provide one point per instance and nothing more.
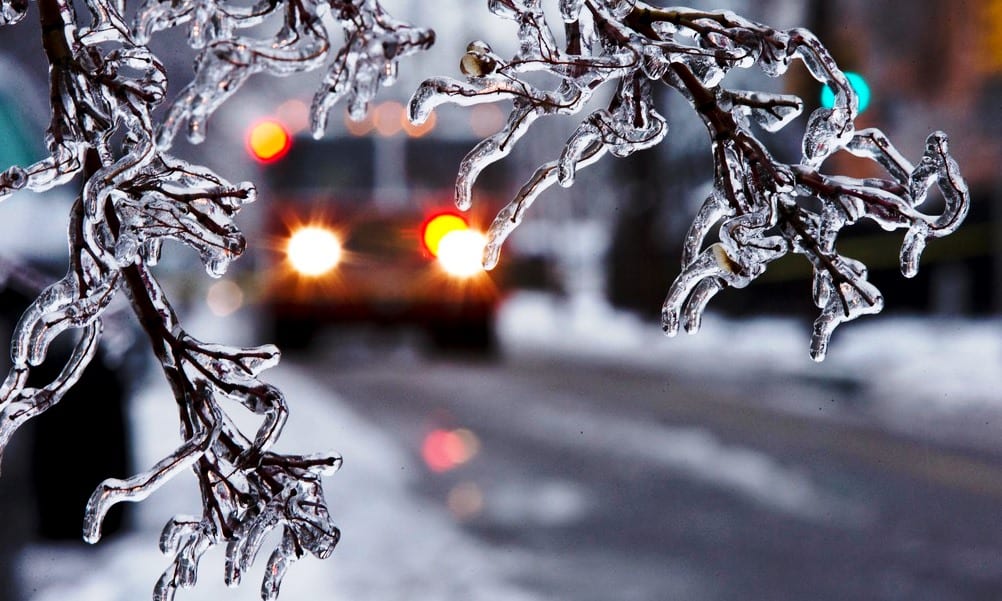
(268, 141)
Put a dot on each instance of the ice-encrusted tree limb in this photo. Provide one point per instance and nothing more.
(756, 205)
(374, 42)
(105, 84)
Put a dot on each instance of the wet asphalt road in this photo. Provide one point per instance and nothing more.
(618, 484)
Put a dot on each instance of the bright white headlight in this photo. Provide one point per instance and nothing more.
(314, 250)
(460, 252)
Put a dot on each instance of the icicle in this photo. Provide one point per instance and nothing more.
(490, 151)
(12, 11)
(570, 9)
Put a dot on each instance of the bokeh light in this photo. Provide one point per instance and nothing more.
(437, 227)
(465, 501)
(858, 84)
(313, 250)
(486, 120)
(224, 297)
(387, 118)
(444, 450)
(295, 114)
(460, 252)
(268, 141)
(416, 131)
(359, 128)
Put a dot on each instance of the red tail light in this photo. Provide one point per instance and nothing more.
(439, 226)
(458, 248)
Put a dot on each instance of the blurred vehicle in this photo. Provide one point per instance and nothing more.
(363, 229)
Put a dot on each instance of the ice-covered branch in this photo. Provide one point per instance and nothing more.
(756, 207)
(374, 43)
(247, 490)
(101, 82)
(105, 84)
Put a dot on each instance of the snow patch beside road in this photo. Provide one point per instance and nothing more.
(927, 376)
(699, 455)
(395, 544)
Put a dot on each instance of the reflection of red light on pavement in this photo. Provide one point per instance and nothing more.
(444, 450)
(465, 500)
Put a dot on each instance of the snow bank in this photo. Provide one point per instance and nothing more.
(396, 545)
(905, 372)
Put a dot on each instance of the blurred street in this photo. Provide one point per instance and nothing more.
(625, 484)
(529, 433)
(626, 470)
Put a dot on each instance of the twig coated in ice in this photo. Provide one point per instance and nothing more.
(757, 204)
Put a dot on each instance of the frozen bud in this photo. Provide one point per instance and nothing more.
(14, 178)
(724, 260)
(476, 63)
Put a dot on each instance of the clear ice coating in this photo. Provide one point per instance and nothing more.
(374, 43)
(12, 11)
(756, 207)
(106, 84)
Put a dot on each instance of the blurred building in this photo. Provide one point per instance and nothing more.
(931, 65)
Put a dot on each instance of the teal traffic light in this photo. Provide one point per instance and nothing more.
(858, 84)
(16, 145)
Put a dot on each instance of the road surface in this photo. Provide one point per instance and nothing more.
(608, 483)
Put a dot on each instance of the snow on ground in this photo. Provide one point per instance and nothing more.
(398, 546)
(688, 452)
(918, 373)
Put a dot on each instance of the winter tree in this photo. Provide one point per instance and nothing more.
(106, 82)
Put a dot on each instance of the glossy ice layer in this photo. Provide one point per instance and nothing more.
(106, 84)
(756, 209)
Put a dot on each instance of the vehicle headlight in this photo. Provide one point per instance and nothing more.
(460, 252)
(313, 251)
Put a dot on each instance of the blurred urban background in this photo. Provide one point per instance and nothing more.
(528, 433)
